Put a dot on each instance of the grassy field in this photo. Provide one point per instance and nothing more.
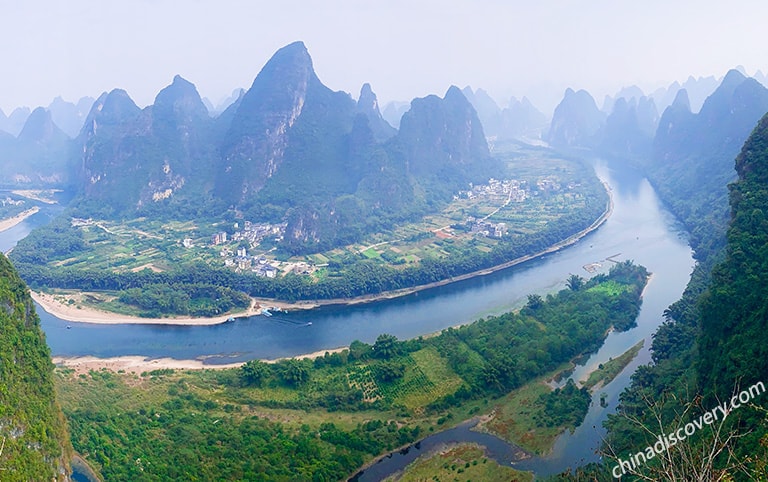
(607, 371)
(459, 463)
(513, 419)
(611, 288)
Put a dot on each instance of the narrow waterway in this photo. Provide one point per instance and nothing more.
(640, 229)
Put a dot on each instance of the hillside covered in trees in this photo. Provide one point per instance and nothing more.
(34, 443)
(713, 344)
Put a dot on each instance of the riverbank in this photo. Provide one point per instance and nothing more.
(8, 223)
(87, 314)
(139, 364)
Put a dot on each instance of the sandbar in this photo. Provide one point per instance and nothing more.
(88, 314)
(139, 364)
(8, 223)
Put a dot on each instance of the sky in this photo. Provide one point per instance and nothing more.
(405, 49)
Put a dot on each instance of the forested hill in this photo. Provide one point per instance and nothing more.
(714, 343)
(33, 434)
(734, 311)
(693, 155)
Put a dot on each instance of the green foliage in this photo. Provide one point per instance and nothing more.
(734, 341)
(55, 241)
(294, 372)
(714, 339)
(574, 282)
(389, 371)
(198, 299)
(199, 433)
(386, 346)
(563, 406)
(254, 372)
(180, 423)
(33, 432)
(534, 302)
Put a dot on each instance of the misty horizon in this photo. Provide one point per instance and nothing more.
(404, 51)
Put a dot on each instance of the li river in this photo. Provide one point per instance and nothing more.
(640, 229)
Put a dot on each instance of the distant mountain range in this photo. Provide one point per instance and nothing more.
(686, 154)
(520, 119)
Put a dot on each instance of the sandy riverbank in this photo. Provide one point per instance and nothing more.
(64, 311)
(140, 364)
(8, 223)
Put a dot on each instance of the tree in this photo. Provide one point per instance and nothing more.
(254, 372)
(385, 346)
(575, 282)
(534, 302)
(294, 372)
(359, 350)
(389, 371)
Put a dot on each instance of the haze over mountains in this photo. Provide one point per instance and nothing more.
(289, 149)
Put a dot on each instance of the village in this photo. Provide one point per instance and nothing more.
(504, 192)
(237, 250)
(242, 249)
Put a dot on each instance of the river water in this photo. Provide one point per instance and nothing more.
(640, 229)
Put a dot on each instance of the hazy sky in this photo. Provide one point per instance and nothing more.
(403, 48)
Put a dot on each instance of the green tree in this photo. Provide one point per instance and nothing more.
(534, 302)
(254, 372)
(389, 371)
(359, 350)
(294, 372)
(575, 282)
(386, 346)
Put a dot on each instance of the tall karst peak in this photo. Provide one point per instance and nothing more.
(368, 105)
(367, 99)
(179, 104)
(110, 109)
(444, 137)
(577, 121)
(255, 144)
(41, 128)
(115, 106)
(738, 98)
(732, 80)
(180, 88)
(682, 101)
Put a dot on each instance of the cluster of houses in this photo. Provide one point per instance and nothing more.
(242, 262)
(251, 235)
(507, 189)
(80, 222)
(548, 185)
(218, 238)
(487, 228)
(254, 233)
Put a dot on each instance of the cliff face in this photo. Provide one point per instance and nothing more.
(254, 147)
(130, 158)
(33, 434)
(692, 161)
